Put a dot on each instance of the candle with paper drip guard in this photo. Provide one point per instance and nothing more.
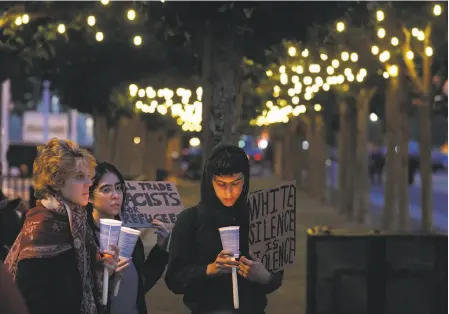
(230, 241)
(126, 243)
(109, 235)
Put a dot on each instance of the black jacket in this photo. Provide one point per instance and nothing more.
(50, 285)
(149, 270)
(195, 243)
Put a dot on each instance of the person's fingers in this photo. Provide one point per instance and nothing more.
(156, 222)
(123, 261)
(227, 261)
(159, 224)
(226, 253)
(246, 261)
(243, 274)
(244, 267)
(121, 267)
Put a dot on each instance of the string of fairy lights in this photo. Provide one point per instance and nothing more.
(181, 104)
(294, 82)
(299, 77)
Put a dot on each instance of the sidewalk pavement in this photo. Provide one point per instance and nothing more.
(291, 297)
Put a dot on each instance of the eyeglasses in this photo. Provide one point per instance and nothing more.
(109, 190)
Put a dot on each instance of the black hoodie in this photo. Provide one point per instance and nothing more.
(195, 243)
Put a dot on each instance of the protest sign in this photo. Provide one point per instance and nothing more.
(272, 231)
(148, 200)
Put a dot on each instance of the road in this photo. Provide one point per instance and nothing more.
(440, 197)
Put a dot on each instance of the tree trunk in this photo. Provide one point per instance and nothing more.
(392, 137)
(221, 72)
(351, 156)
(403, 152)
(343, 137)
(425, 142)
(362, 183)
(101, 137)
(309, 153)
(425, 167)
(319, 158)
(346, 156)
(299, 165)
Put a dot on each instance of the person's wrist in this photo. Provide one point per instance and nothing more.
(265, 277)
(210, 269)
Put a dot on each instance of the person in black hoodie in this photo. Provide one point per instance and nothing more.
(198, 268)
(138, 275)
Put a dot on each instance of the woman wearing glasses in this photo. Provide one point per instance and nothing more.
(139, 274)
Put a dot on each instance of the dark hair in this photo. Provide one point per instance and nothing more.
(228, 163)
(100, 170)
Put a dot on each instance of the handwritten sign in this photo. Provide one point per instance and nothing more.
(148, 200)
(272, 231)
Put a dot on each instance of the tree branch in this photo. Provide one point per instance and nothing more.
(410, 64)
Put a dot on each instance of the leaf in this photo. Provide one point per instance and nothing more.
(223, 8)
(248, 12)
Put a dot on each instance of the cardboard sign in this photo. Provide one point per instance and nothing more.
(148, 200)
(272, 230)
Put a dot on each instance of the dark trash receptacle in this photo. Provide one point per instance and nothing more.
(376, 274)
(161, 174)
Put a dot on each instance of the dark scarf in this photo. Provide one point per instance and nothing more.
(48, 232)
(213, 214)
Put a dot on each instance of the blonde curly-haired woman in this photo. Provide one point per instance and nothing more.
(54, 260)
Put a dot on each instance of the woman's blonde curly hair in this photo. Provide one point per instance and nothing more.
(54, 162)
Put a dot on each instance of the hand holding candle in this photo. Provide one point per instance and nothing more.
(230, 240)
(127, 242)
(109, 235)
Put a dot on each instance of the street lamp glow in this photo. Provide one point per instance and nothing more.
(345, 56)
(317, 107)
(354, 57)
(194, 142)
(269, 73)
(380, 15)
(381, 33)
(91, 20)
(373, 117)
(323, 56)
(415, 32)
(137, 140)
(374, 50)
(104, 2)
(386, 75)
(305, 53)
(437, 10)
(137, 40)
(340, 27)
(263, 143)
(61, 28)
(99, 36)
(429, 51)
